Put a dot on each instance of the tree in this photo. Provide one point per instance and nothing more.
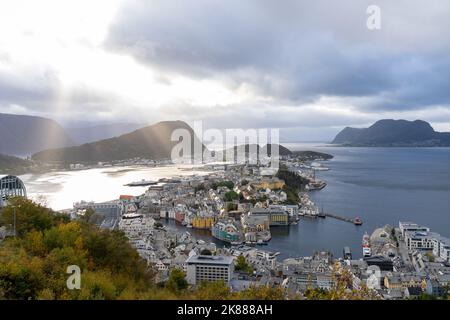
(231, 196)
(29, 216)
(261, 293)
(206, 252)
(213, 290)
(176, 280)
(242, 265)
(231, 206)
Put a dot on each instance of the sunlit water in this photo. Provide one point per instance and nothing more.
(61, 189)
(381, 185)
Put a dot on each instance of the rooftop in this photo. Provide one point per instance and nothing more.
(202, 259)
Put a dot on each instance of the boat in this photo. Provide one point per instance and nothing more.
(261, 243)
(367, 252)
(357, 221)
(316, 185)
(141, 183)
(366, 240)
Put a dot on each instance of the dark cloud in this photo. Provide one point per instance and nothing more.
(297, 51)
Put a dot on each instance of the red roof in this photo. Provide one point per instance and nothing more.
(125, 197)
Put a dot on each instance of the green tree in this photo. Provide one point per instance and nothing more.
(212, 290)
(231, 196)
(176, 280)
(242, 265)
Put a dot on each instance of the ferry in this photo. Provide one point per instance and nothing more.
(141, 183)
(367, 252)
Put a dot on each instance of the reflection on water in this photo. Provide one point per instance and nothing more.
(62, 188)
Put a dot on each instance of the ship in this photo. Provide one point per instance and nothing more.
(316, 185)
(367, 252)
(141, 183)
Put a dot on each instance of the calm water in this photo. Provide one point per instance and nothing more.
(380, 185)
(62, 188)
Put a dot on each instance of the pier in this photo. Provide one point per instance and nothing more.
(355, 221)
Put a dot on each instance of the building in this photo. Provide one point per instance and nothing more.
(402, 281)
(201, 268)
(276, 217)
(381, 262)
(419, 240)
(441, 248)
(227, 230)
(11, 186)
(255, 222)
(411, 226)
(203, 221)
(292, 210)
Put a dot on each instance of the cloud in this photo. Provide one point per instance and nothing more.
(309, 67)
(297, 52)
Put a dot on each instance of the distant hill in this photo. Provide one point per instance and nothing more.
(88, 134)
(312, 155)
(25, 135)
(151, 142)
(13, 165)
(267, 149)
(394, 133)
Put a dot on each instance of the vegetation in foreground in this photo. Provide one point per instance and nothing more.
(33, 265)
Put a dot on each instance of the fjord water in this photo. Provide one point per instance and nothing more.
(380, 185)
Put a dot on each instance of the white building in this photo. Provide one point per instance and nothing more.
(441, 248)
(411, 227)
(419, 240)
(209, 268)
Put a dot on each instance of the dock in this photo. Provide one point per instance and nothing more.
(355, 221)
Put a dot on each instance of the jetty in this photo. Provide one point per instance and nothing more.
(355, 221)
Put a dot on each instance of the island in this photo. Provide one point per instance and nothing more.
(393, 133)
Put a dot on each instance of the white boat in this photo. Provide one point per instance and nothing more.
(367, 252)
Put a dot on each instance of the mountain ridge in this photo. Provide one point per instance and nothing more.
(23, 135)
(391, 133)
(150, 142)
(92, 133)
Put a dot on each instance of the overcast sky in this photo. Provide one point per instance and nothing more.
(307, 67)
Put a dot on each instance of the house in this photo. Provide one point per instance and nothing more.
(413, 292)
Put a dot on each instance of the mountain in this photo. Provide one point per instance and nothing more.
(394, 133)
(88, 134)
(13, 165)
(267, 149)
(151, 142)
(24, 135)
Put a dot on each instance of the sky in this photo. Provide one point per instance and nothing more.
(309, 68)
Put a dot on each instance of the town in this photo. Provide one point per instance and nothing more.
(239, 205)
